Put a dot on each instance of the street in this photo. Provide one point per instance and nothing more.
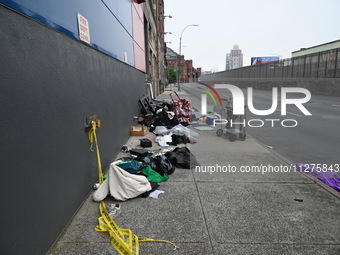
(314, 140)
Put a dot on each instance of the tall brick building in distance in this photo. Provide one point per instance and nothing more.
(188, 72)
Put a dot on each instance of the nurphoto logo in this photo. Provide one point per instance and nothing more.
(238, 104)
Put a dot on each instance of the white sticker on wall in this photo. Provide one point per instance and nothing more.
(83, 28)
(125, 57)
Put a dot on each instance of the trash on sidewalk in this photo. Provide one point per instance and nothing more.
(145, 119)
(182, 109)
(161, 130)
(95, 186)
(149, 105)
(157, 173)
(154, 176)
(164, 140)
(332, 179)
(181, 157)
(154, 186)
(178, 139)
(163, 118)
(132, 166)
(162, 165)
(125, 148)
(139, 152)
(156, 193)
(113, 210)
(123, 240)
(138, 131)
(121, 185)
(179, 134)
(145, 143)
(156, 113)
(181, 130)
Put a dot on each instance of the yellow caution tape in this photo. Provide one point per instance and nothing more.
(123, 240)
(93, 138)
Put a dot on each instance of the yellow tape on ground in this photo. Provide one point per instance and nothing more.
(123, 240)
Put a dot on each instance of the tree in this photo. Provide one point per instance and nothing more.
(172, 74)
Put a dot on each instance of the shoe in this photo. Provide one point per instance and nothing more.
(113, 210)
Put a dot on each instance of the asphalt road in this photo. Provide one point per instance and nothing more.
(314, 140)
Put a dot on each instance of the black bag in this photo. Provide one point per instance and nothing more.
(177, 139)
(145, 142)
(162, 165)
(139, 152)
(162, 119)
(181, 157)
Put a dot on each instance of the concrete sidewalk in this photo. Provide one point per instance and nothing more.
(230, 212)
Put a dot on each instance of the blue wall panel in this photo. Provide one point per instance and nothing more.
(122, 10)
(110, 22)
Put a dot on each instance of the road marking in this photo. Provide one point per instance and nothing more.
(291, 113)
(332, 117)
(336, 105)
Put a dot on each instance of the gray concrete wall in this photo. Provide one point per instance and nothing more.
(49, 84)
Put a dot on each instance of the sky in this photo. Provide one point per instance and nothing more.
(259, 27)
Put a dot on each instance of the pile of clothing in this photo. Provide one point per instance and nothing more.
(161, 113)
(129, 178)
(175, 135)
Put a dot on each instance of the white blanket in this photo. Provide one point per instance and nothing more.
(121, 185)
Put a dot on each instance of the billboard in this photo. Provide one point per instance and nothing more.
(264, 60)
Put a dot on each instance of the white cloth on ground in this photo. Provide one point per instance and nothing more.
(155, 194)
(163, 140)
(121, 185)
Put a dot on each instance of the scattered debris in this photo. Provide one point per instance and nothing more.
(113, 210)
(156, 193)
(125, 148)
(138, 131)
(121, 185)
(145, 143)
(326, 175)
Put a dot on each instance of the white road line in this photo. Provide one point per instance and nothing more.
(332, 117)
(291, 113)
(336, 105)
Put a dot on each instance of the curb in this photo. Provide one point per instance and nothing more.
(287, 161)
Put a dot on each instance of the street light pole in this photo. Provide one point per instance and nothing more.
(179, 57)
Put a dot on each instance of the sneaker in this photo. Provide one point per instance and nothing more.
(113, 210)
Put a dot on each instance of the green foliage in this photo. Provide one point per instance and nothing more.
(172, 74)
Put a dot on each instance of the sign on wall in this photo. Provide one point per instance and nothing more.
(264, 60)
(83, 28)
